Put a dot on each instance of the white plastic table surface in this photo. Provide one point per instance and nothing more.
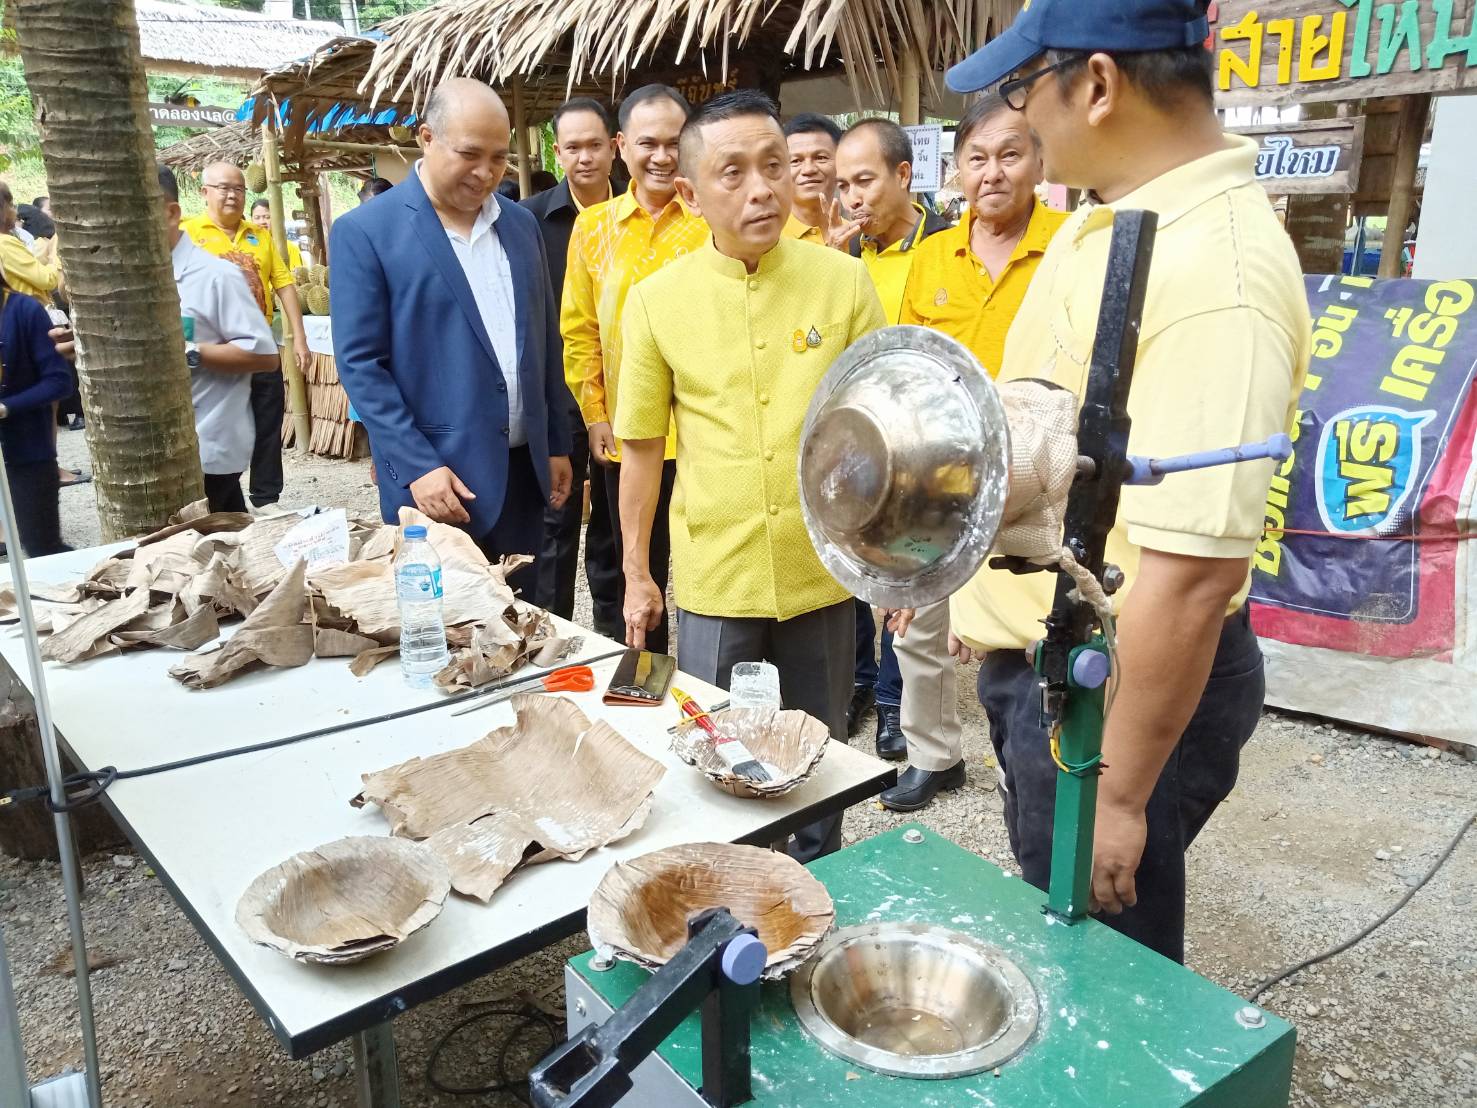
(209, 830)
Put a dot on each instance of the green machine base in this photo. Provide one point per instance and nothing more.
(1119, 1025)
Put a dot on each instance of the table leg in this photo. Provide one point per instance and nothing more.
(376, 1076)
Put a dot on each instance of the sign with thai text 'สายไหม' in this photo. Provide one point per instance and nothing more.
(1296, 51)
(1317, 156)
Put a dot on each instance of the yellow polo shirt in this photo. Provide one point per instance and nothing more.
(25, 273)
(611, 247)
(734, 358)
(950, 290)
(795, 229)
(250, 249)
(1223, 350)
(890, 266)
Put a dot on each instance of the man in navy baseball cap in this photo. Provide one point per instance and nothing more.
(1082, 25)
(1120, 94)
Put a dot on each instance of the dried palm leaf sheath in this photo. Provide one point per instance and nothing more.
(345, 900)
(792, 743)
(554, 785)
(568, 42)
(640, 910)
(273, 635)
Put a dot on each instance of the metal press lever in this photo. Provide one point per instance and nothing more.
(718, 970)
(1150, 471)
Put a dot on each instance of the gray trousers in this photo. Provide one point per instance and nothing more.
(815, 655)
(930, 709)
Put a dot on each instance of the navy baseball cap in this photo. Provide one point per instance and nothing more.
(1107, 25)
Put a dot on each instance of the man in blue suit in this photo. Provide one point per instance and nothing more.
(446, 334)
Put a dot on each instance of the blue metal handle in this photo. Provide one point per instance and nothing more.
(1150, 471)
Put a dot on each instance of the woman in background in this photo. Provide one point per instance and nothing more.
(33, 376)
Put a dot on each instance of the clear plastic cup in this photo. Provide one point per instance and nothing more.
(754, 685)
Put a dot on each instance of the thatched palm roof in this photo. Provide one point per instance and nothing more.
(188, 38)
(576, 41)
(240, 144)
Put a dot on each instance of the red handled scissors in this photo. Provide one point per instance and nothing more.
(569, 679)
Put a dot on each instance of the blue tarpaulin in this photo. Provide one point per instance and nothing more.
(337, 116)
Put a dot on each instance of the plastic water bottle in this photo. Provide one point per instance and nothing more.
(418, 590)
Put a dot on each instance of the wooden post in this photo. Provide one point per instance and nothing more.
(297, 390)
(1413, 112)
(910, 89)
(520, 141)
(309, 189)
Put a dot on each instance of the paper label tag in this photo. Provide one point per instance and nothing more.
(320, 540)
(417, 583)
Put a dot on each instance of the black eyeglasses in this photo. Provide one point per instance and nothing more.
(1014, 92)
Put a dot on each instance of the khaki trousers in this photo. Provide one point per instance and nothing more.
(930, 710)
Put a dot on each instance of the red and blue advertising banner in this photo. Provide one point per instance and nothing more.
(1363, 553)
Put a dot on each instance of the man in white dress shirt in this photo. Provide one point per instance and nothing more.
(227, 339)
(446, 334)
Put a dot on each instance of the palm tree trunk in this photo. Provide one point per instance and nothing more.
(87, 81)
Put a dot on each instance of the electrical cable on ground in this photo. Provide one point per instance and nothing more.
(528, 1017)
(1367, 931)
(87, 787)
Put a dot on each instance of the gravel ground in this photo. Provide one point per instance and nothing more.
(1328, 827)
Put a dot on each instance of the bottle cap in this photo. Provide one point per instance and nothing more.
(415, 531)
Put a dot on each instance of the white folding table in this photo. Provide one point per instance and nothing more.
(208, 830)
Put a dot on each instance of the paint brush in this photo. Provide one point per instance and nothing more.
(734, 753)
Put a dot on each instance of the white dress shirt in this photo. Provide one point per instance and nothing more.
(214, 294)
(485, 264)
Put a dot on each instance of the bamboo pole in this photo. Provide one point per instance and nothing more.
(297, 391)
(1413, 112)
(910, 89)
(365, 147)
(520, 141)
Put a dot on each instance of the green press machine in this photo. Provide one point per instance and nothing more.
(948, 982)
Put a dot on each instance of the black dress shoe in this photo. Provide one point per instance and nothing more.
(916, 788)
(890, 741)
(77, 423)
(863, 700)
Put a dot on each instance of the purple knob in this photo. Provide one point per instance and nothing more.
(743, 960)
(1089, 669)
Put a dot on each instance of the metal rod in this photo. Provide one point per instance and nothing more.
(66, 847)
(14, 1088)
(376, 1073)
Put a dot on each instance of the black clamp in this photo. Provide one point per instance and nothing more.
(718, 970)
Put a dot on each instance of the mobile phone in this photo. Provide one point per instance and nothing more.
(641, 678)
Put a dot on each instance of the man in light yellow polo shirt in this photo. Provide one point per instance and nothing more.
(874, 175)
(223, 230)
(614, 245)
(966, 281)
(874, 169)
(1122, 101)
(732, 341)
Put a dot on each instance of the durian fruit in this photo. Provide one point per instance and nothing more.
(316, 297)
(400, 134)
(256, 177)
(319, 276)
(302, 275)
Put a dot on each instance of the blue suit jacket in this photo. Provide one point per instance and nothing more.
(417, 362)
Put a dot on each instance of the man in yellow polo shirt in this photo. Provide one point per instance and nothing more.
(966, 281)
(223, 230)
(614, 245)
(732, 341)
(874, 175)
(812, 139)
(1122, 101)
